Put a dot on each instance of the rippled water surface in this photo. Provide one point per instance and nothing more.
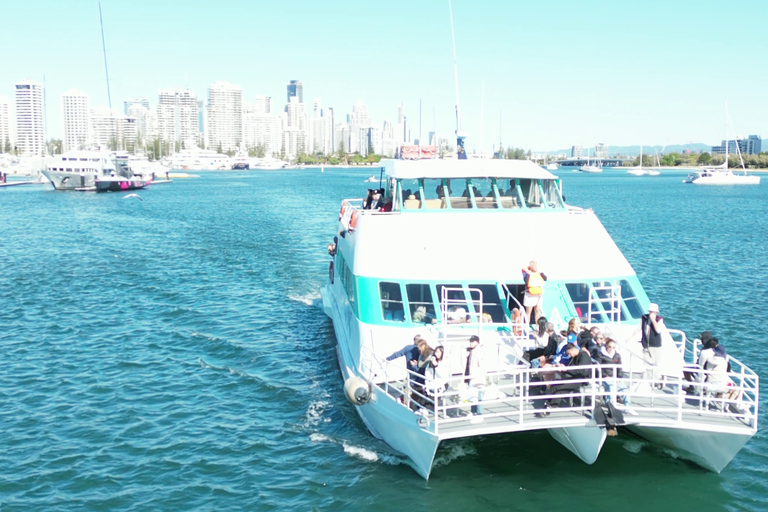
(170, 353)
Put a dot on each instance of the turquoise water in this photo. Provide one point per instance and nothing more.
(171, 353)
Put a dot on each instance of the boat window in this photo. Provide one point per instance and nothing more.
(457, 301)
(420, 303)
(579, 293)
(602, 299)
(492, 308)
(411, 194)
(508, 193)
(391, 302)
(552, 194)
(516, 296)
(630, 299)
(482, 188)
(83, 159)
(532, 193)
(434, 193)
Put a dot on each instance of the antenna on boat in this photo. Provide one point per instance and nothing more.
(104, 50)
(461, 154)
(735, 139)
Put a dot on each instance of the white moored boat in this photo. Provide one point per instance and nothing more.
(721, 176)
(379, 298)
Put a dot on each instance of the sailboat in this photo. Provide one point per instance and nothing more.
(638, 170)
(721, 174)
(589, 168)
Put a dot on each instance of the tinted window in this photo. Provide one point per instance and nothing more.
(630, 300)
(491, 301)
(482, 188)
(456, 298)
(391, 302)
(420, 303)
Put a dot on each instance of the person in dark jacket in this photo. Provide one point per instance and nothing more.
(569, 372)
(651, 326)
(411, 353)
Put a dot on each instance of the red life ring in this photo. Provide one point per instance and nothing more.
(341, 212)
(353, 221)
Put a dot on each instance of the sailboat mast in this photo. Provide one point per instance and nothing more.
(461, 154)
(104, 50)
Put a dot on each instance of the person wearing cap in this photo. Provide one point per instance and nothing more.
(651, 327)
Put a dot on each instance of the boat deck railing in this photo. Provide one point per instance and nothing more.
(517, 397)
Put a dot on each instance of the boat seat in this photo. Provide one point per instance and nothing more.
(509, 202)
(485, 202)
(460, 202)
(411, 204)
(434, 204)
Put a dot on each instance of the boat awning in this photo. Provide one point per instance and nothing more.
(471, 168)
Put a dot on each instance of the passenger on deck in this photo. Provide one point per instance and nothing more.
(368, 201)
(437, 375)
(714, 359)
(411, 353)
(540, 340)
(534, 290)
(568, 373)
(588, 343)
(474, 371)
(609, 356)
(651, 326)
(378, 196)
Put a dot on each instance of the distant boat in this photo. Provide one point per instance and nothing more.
(589, 168)
(552, 167)
(372, 179)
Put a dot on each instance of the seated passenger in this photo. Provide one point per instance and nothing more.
(368, 201)
(568, 373)
(714, 359)
(457, 315)
(609, 356)
(587, 342)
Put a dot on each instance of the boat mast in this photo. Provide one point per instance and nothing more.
(106, 71)
(461, 154)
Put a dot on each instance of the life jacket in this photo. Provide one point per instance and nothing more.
(535, 283)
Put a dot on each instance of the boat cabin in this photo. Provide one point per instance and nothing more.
(471, 184)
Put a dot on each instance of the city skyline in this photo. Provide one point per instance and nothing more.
(534, 68)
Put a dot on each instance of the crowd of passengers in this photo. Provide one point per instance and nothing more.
(564, 359)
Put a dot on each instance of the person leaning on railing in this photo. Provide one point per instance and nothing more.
(576, 369)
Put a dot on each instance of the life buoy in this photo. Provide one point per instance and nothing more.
(353, 221)
(330, 272)
(341, 212)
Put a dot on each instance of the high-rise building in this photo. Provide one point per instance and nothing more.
(577, 151)
(295, 132)
(30, 132)
(374, 141)
(225, 116)
(6, 139)
(263, 104)
(261, 130)
(329, 131)
(752, 145)
(342, 137)
(113, 129)
(177, 117)
(76, 115)
(141, 115)
(144, 102)
(358, 128)
(295, 90)
(317, 129)
(601, 150)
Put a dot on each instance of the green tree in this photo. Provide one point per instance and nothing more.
(8, 148)
(704, 158)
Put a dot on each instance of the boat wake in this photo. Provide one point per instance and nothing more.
(358, 452)
(309, 299)
(456, 450)
(634, 445)
(315, 414)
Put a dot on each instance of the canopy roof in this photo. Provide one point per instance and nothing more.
(471, 168)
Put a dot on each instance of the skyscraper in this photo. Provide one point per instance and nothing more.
(29, 118)
(295, 88)
(177, 116)
(76, 115)
(358, 128)
(113, 129)
(6, 140)
(263, 104)
(144, 102)
(225, 116)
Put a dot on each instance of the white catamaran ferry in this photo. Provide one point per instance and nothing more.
(443, 260)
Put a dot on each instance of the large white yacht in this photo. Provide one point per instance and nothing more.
(199, 160)
(79, 169)
(454, 239)
(721, 176)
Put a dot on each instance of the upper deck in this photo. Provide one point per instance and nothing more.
(470, 184)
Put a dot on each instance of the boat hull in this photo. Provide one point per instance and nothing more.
(69, 180)
(710, 450)
(119, 185)
(584, 442)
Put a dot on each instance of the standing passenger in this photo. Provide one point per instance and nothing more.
(651, 327)
(534, 290)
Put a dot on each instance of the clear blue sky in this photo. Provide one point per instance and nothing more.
(559, 72)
